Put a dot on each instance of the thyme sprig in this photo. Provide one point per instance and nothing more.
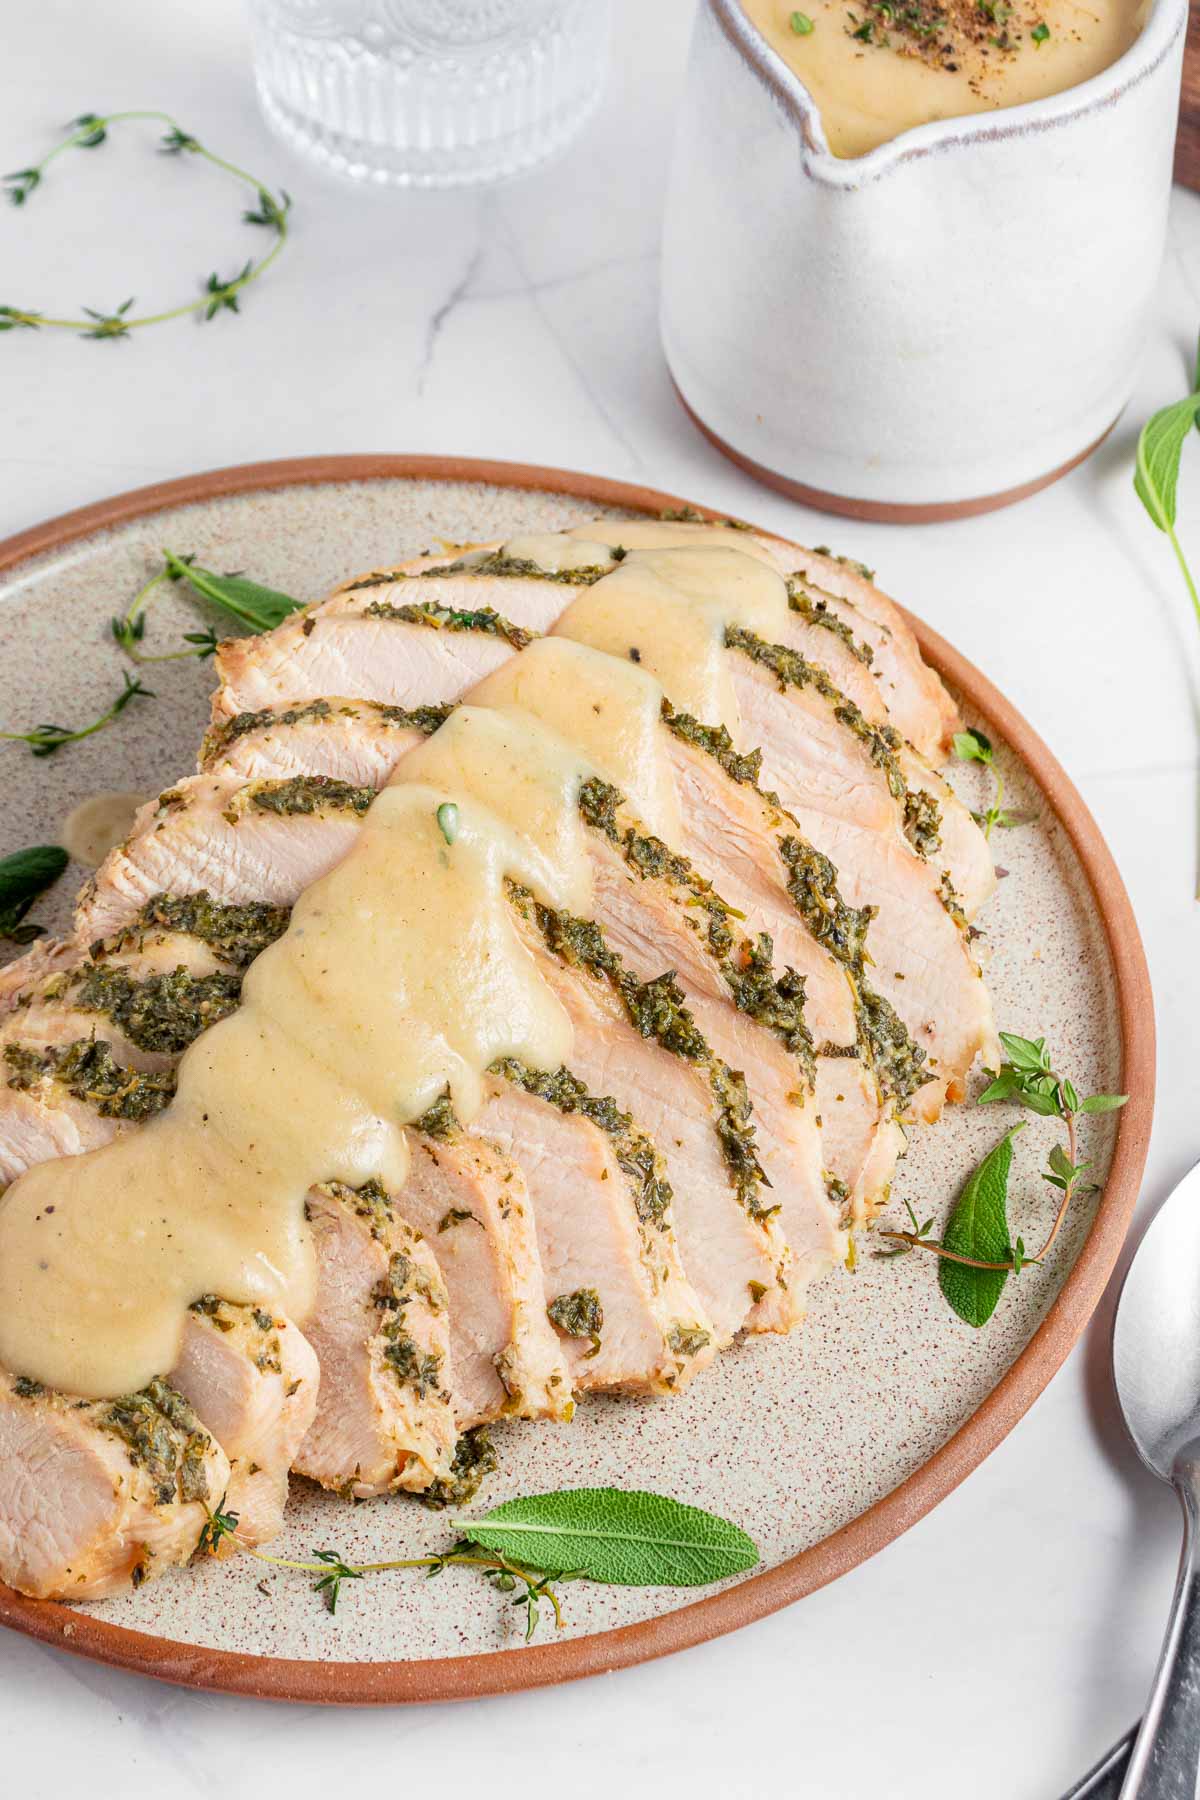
(257, 607)
(976, 1251)
(622, 1536)
(45, 739)
(219, 294)
(329, 1569)
(976, 746)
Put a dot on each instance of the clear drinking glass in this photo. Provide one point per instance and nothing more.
(429, 93)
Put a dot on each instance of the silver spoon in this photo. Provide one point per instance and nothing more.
(1156, 1362)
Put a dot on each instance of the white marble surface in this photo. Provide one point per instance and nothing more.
(1001, 1645)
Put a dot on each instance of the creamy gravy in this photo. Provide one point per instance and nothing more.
(668, 609)
(401, 975)
(611, 709)
(97, 825)
(876, 70)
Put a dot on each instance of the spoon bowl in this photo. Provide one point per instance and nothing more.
(1156, 1335)
(1156, 1364)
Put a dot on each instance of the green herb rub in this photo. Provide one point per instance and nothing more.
(922, 816)
(164, 1012)
(521, 568)
(658, 1009)
(234, 934)
(474, 1458)
(448, 618)
(842, 930)
(89, 1072)
(635, 1153)
(579, 1315)
(303, 794)
(162, 1436)
(816, 610)
(774, 1001)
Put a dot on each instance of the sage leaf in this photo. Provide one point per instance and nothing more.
(978, 1227)
(260, 608)
(1156, 470)
(27, 873)
(622, 1536)
(1159, 449)
(23, 876)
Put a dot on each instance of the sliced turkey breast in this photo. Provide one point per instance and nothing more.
(385, 1416)
(251, 1377)
(100, 1495)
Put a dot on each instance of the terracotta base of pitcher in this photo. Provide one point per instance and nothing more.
(882, 512)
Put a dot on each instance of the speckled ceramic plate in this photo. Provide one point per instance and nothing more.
(824, 1444)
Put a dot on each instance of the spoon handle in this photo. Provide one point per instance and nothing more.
(1166, 1757)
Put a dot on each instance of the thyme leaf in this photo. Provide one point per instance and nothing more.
(976, 746)
(329, 1586)
(45, 739)
(88, 132)
(23, 876)
(447, 820)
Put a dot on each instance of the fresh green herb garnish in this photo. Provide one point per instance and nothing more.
(974, 746)
(978, 1228)
(88, 132)
(260, 608)
(44, 740)
(612, 1535)
(801, 24)
(447, 820)
(976, 1252)
(1040, 33)
(1156, 470)
(23, 876)
(619, 1536)
(252, 605)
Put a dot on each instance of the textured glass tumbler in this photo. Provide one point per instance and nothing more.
(429, 93)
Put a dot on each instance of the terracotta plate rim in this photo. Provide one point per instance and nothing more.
(506, 1671)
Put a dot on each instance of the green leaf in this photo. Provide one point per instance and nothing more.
(1004, 1086)
(1103, 1103)
(1025, 1053)
(28, 873)
(261, 608)
(94, 126)
(626, 1537)
(1040, 33)
(978, 1227)
(801, 24)
(1040, 1095)
(972, 746)
(1160, 446)
(1061, 1163)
